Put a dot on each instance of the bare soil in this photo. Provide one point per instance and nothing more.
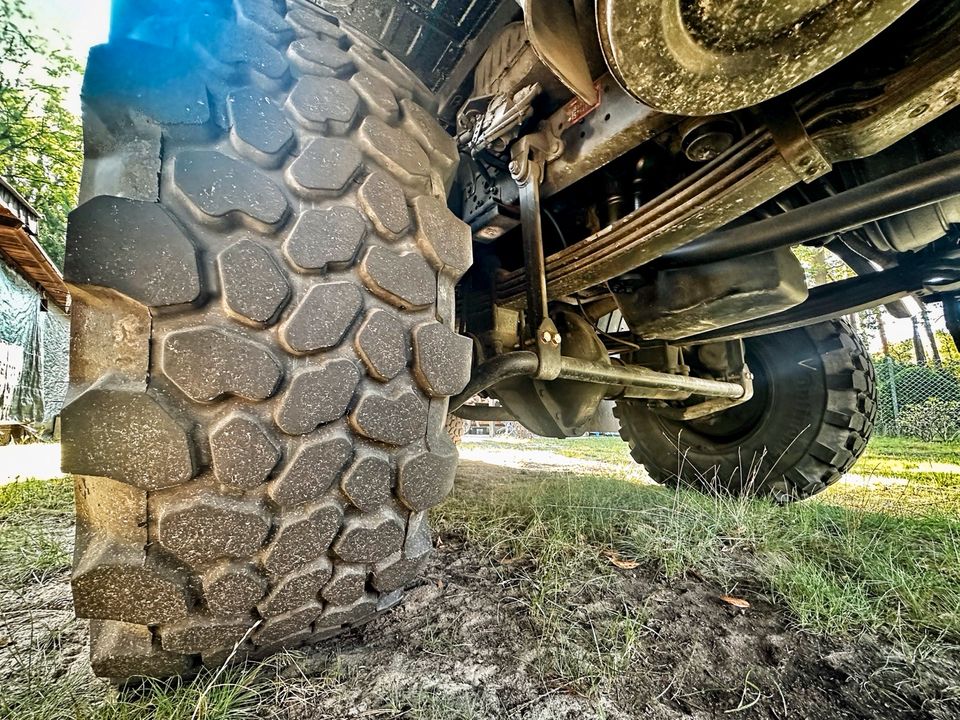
(464, 645)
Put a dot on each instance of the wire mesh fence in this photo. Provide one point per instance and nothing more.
(921, 401)
(918, 373)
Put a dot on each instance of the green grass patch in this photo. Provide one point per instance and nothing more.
(915, 450)
(839, 570)
(36, 497)
(227, 694)
(41, 690)
(33, 515)
(603, 449)
(231, 693)
(924, 463)
(30, 555)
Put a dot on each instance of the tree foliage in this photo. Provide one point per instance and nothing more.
(41, 142)
(948, 349)
(933, 420)
(820, 266)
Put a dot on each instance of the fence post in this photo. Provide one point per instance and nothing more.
(892, 376)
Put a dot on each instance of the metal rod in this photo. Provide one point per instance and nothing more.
(633, 376)
(919, 186)
(495, 371)
(862, 266)
(525, 364)
(532, 224)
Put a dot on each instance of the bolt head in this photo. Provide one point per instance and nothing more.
(546, 336)
(556, 340)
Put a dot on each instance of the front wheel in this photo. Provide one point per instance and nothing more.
(264, 335)
(808, 422)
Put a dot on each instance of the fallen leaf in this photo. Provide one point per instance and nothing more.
(735, 601)
(615, 558)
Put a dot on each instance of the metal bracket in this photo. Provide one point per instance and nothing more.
(735, 358)
(795, 145)
(713, 405)
(552, 29)
(530, 156)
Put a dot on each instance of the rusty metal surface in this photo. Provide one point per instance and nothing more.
(846, 297)
(702, 57)
(842, 123)
(552, 29)
(594, 137)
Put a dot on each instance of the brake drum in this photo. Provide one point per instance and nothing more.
(705, 57)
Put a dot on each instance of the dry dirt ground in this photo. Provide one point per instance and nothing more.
(464, 645)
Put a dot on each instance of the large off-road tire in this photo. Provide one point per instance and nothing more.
(456, 429)
(809, 420)
(263, 269)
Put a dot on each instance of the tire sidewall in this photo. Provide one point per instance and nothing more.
(792, 388)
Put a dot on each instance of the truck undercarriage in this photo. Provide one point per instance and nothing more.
(365, 213)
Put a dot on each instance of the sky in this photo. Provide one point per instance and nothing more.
(82, 23)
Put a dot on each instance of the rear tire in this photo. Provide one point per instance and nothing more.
(809, 421)
(264, 343)
(456, 429)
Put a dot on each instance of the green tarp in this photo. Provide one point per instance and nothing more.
(34, 353)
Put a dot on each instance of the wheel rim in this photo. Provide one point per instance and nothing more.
(737, 425)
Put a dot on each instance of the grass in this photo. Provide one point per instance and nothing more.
(31, 549)
(237, 692)
(608, 450)
(31, 497)
(30, 555)
(935, 464)
(848, 562)
(854, 561)
(228, 694)
(839, 571)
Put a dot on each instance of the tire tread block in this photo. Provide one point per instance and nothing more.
(317, 396)
(111, 582)
(314, 469)
(121, 650)
(103, 252)
(259, 126)
(207, 363)
(254, 287)
(393, 421)
(126, 435)
(221, 188)
(302, 537)
(210, 528)
(242, 452)
(382, 345)
(323, 238)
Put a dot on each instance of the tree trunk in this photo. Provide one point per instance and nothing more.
(918, 350)
(931, 337)
(882, 329)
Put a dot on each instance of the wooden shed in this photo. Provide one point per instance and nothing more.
(34, 319)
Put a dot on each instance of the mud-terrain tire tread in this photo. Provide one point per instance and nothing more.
(254, 433)
(456, 429)
(841, 424)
